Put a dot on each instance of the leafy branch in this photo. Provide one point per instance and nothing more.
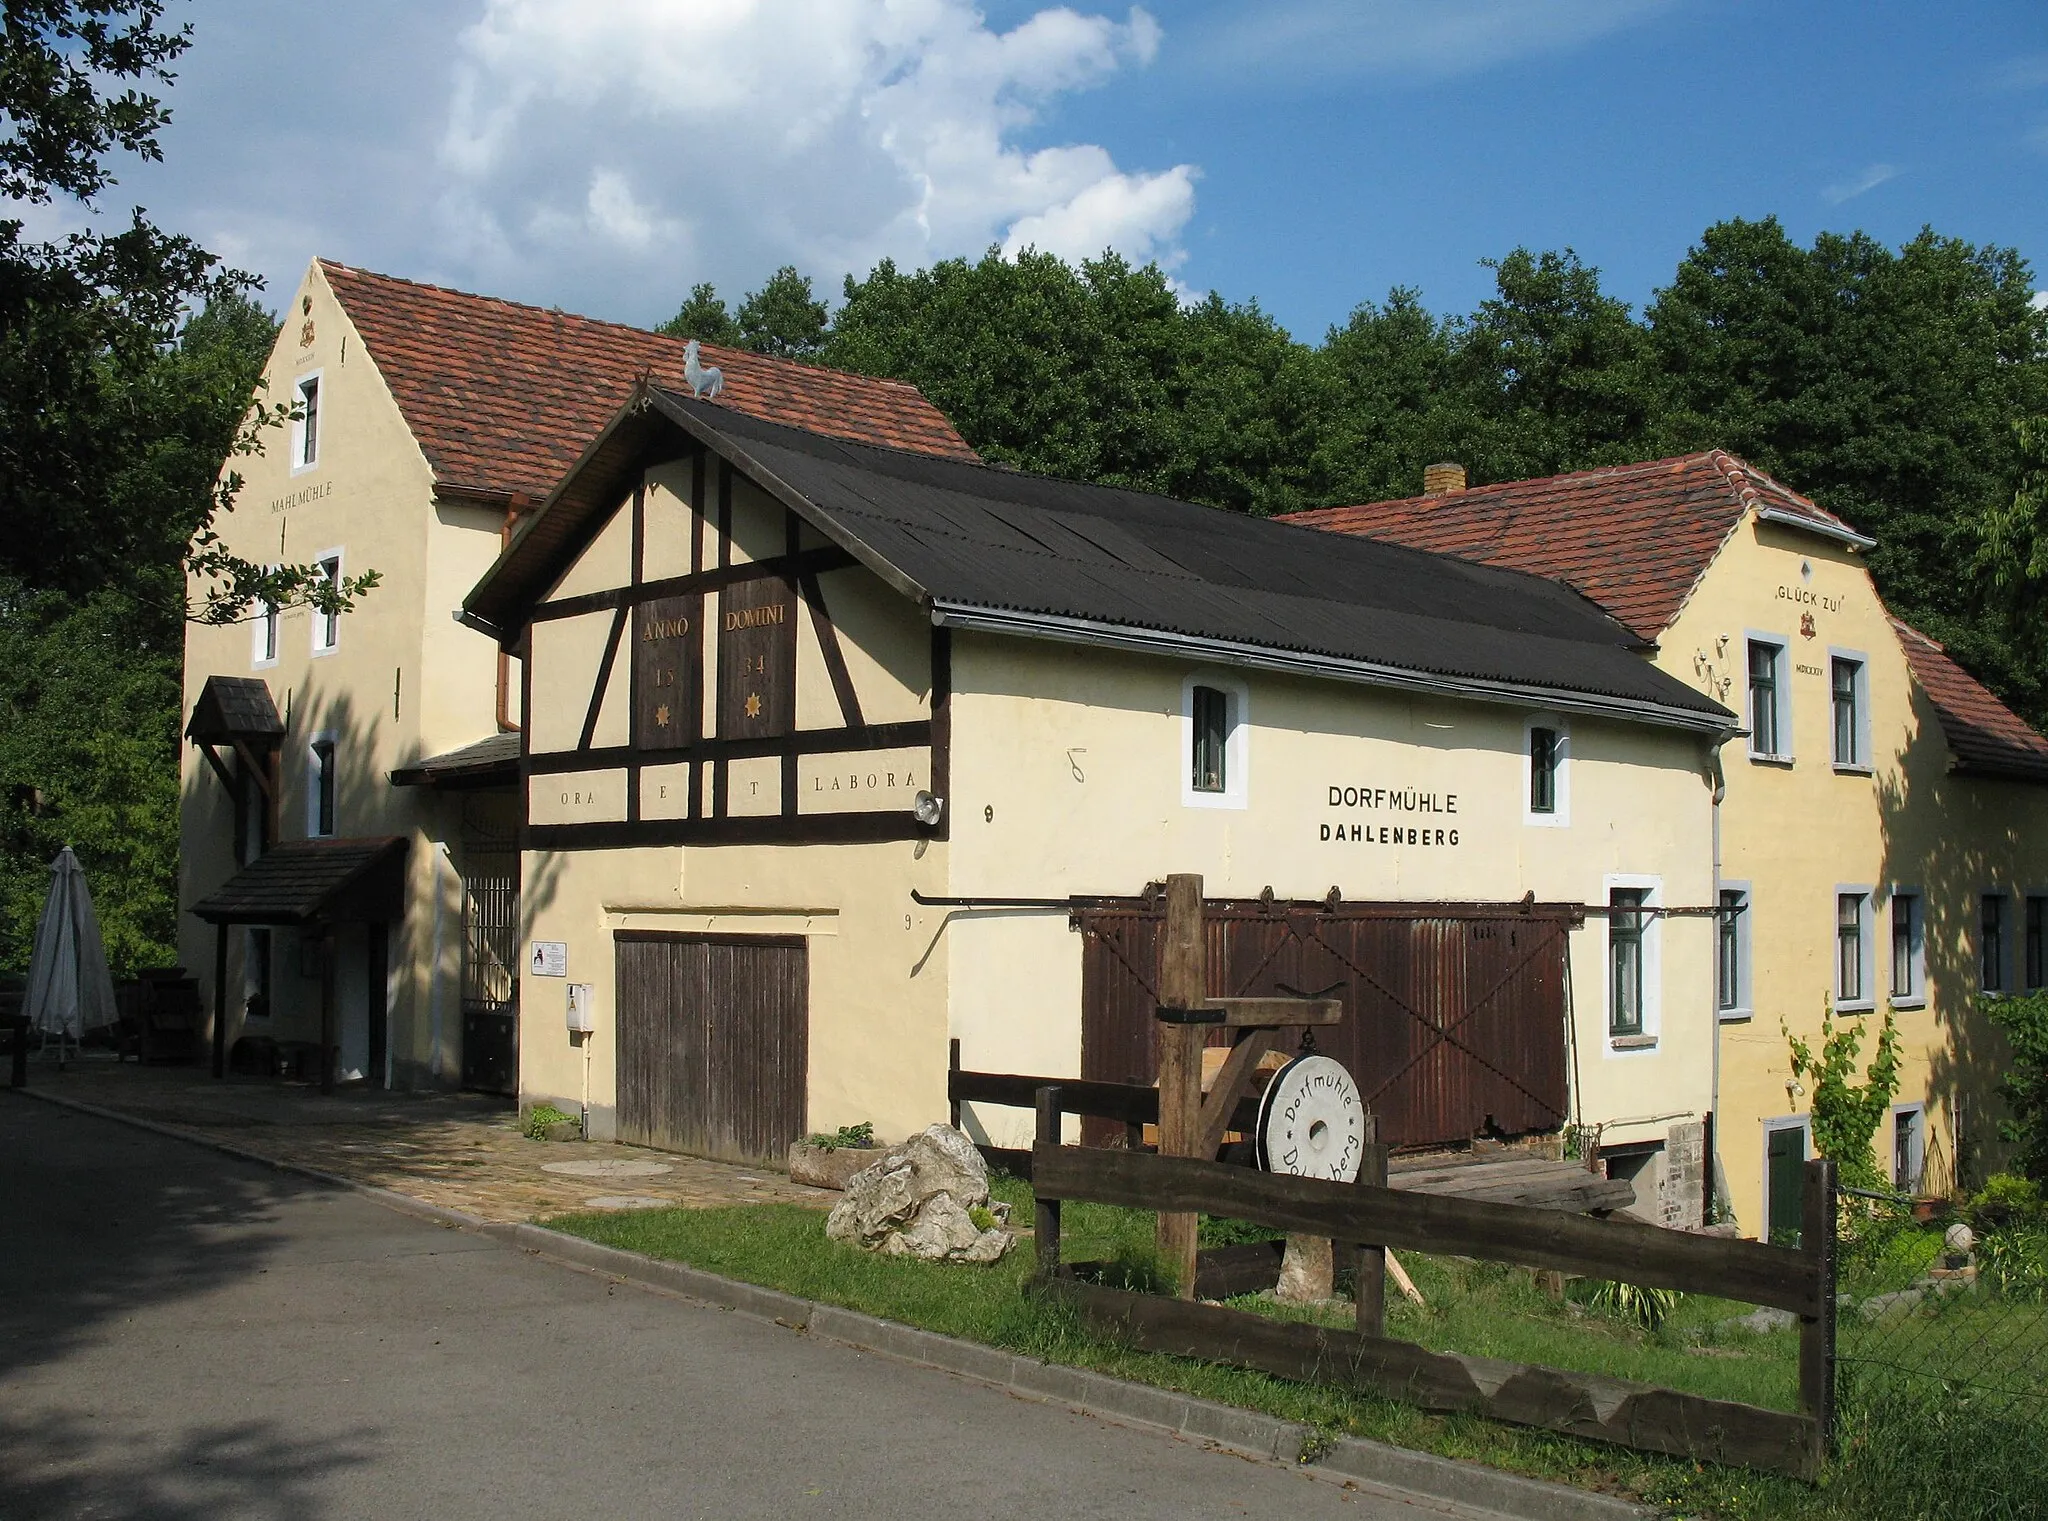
(1846, 1113)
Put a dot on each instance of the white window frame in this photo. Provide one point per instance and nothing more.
(1803, 1123)
(1745, 990)
(1860, 764)
(1236, 748)
(1866, 923)
(266, 625)
(1618, 1046)
(1919, 1146)
(301, 464)
(1560, 816)
(332, 739)
(325, 627)
(1916, 946)
(1781, 696)
(2005, 936)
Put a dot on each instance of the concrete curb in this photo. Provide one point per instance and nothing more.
(1245, 1432)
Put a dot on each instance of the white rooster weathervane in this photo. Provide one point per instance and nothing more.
(705, 382)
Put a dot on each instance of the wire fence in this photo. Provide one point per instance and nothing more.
(1935, 1315)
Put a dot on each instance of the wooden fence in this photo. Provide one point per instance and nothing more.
(1370, 1218)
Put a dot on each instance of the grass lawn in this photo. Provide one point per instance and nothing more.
(1475, 1309)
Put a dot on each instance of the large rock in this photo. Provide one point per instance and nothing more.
(914, 1202)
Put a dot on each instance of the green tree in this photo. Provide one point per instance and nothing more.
(1846, 1113)
(2025, 1085)
(704, 317)
(784, 318)
(1390, 403)
(1885, 384)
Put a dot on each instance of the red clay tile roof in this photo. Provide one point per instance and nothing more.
(1985, 736)
(505, 398)
(1633, 538)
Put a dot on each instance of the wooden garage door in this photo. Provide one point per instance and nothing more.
(714, 1042)
(1454, 1014)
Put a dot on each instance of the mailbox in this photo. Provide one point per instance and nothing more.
(580, 1001)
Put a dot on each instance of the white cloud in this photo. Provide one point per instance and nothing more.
(644, 144)
(1426, 40)
(1859, 184)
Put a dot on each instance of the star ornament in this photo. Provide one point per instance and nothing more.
(753, 704)
(661, 716)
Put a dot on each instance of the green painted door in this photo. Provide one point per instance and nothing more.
(1785, 1170)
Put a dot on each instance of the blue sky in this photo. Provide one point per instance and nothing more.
(1302, 153)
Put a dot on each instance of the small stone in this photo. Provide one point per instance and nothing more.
(1308, 1271)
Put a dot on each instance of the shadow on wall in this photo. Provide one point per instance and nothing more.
(1953, 838)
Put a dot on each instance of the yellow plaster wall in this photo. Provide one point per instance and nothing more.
(1067, 779)
(1796, 832)
(371, 494)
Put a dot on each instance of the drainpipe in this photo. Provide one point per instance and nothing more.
(1718, 778)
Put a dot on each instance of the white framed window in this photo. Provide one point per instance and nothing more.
(1909, 1146)
(1849, 709)
(322, 780)
(1770, 698)
(1733, 995)
(1213, 741)
(1909, 948)
(327, 626)
(1634, 963)
(1547, 771)
(1992, 935)
(263, 632)
(306, 426)
(1855, 949)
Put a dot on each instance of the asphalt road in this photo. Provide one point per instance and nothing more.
(184, 1335)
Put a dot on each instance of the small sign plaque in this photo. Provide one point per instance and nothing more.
(548, 958)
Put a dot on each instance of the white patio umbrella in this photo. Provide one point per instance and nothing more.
(69, 988)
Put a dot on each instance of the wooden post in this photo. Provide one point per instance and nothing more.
(1046, 1215)
(1817, 1332)
(1370, 1288)
(1134, 1130)
(952, 1066)
(220, 1001)
(327, 1051)
(1183, 984)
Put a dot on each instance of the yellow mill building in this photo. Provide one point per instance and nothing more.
(1881, 838)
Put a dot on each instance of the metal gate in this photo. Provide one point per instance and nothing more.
(490, 986)
(1454, 1014)
(714, 1043)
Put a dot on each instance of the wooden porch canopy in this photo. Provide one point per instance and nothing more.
(492, 762)
(236, 714)
(308, 884)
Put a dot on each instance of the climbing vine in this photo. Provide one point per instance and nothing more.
(1846, 1113)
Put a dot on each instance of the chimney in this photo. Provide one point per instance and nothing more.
(1442, 480)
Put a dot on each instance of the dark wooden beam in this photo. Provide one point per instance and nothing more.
(835, 658)
(1613, 1249)
(604, 677)
(816, 561)
(1575, 1404)
(1183, 983)
(903, 736)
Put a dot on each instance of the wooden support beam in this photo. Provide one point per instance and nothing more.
(1252, 1013)
(1577, 1404)
(1369, 1291)
(1220, 1107)
(1183, 984)
(1817, 1330)
(1046, 1211)
(1623, 1250)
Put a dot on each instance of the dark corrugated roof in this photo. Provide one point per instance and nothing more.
(300, 881)
(961, 535)
(234, 707)
(489, 759)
